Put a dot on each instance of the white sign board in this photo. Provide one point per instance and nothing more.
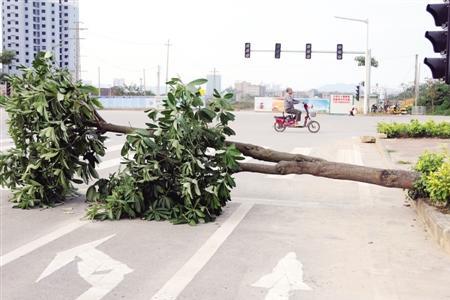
(341, 104)
(263, 103)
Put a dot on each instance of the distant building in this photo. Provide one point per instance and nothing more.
(214, 82)
(30, 27)
(244, 89)
(119, 82)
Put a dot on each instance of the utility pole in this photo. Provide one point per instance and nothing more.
(416, 81)
(167, 64)
(78, 50)
(158, 90)
(214, 80)
(144, 83)
(99, 88)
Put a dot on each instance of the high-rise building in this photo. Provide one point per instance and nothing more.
(30, 27)
(214, 83)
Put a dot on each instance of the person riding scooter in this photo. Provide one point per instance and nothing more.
(289, 102)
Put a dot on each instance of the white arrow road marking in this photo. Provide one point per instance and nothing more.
(303, 151)
(97, 268)
(287, 276)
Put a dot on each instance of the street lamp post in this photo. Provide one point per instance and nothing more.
(368, 63)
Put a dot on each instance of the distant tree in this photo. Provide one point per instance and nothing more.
(130, 90)
(361, 60)
(6, 58)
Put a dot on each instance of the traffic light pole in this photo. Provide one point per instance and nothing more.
(367, 82)
(313, 51)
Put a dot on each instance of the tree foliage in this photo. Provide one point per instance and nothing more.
(171, 172)
(49, 117)
(361, 60)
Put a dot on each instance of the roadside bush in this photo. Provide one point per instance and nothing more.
(438, 185)
(415, 129)
(171, 173)
(435, 180)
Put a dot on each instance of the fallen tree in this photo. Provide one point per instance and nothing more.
(178, 168)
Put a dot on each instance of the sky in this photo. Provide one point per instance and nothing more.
(123, 38)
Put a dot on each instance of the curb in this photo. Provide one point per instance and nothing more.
(436, 223)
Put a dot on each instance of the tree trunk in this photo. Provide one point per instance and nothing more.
(383, 177)
(287, 163)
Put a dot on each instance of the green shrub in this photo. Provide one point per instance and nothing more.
(415, 129)
(438, 185)
(427, 164)
(179, 168)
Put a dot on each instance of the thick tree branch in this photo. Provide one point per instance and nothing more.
(265, 154)
(301, 164)
(384, 177)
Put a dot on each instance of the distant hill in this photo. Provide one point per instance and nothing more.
(338, 87)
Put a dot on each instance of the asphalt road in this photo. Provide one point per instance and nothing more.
(292, 237)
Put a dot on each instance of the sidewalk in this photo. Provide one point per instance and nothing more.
(403, 154)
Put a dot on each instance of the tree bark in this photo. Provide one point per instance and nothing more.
(287, 163)
(383, 177)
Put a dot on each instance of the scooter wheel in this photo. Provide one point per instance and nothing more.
(279, 127)
(313, 126)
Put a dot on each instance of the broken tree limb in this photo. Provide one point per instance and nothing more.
(383, 177)
(265, 154)
(287, 163)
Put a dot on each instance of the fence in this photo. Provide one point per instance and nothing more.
(134, 102)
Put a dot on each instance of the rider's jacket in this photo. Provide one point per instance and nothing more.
(289, 102)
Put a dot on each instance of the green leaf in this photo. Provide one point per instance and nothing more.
(198, 82)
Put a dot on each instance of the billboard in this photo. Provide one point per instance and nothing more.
(341, 104)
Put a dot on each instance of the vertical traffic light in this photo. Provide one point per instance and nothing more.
(339, 51)
(308, 51)
(277, 50)
(440, 40)
(247, 50)
(357, 93)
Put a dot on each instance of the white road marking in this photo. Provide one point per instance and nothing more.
(98, 269)
(287, 276)
(33, 245)
(303, 151)
(181, 279)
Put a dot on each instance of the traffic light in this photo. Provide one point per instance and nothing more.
(247, 50)
(440, 40)
(357, 93)
(277, 50)
(308, 51)
(339, 51)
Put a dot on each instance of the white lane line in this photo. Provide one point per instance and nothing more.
(303, 151)
(42, 241)
(184, 276)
